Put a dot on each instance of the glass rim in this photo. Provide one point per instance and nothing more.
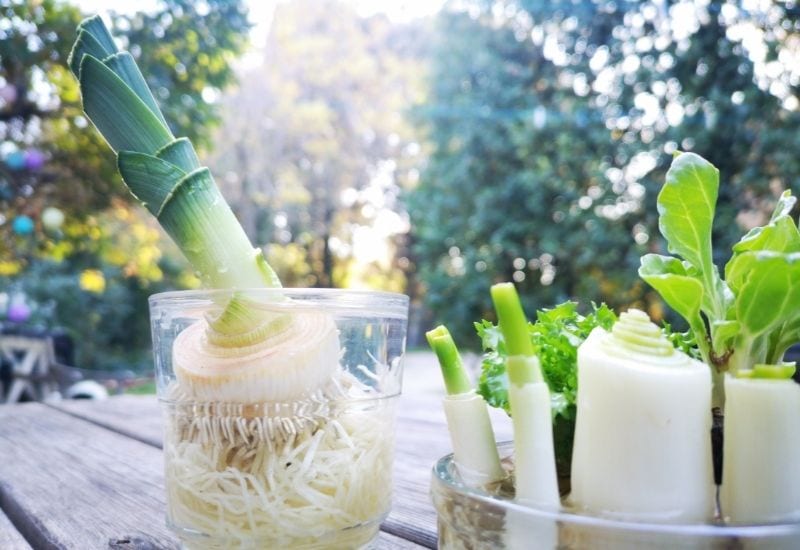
(386, 302)
(443, 480)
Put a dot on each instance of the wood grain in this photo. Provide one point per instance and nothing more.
(136, 416)
(422, 439)
(66, 483)
(74, 484)
(387, 541)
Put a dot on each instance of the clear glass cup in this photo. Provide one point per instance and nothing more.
(294, 449)
(478, 518)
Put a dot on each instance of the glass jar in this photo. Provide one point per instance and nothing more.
(284, 437)
(488, 518)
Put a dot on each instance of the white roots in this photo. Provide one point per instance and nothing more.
(281, 475)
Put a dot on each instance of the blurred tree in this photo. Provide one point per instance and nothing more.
(93, 281)
(552, 125)
(314, 145)
(187, 49)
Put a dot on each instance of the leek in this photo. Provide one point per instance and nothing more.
(761, 446)
(256, 453)
(642, 449)
(536, 481)
(471, 434)
(162, 172)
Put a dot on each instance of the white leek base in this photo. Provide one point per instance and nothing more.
(642, 437)
(535, 478)
(523, 532)
(471, 434)
(760, 479)
(291, 364)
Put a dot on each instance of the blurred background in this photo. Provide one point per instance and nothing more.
(426, 147)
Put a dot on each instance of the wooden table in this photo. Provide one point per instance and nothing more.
(85, 475)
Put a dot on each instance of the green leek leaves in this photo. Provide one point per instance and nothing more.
(122, 117)
(162, 172)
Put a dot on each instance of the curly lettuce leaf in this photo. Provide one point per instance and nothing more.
(682, 341)
(555, 336)
(493, 382)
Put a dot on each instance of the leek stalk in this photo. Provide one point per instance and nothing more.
(240, 354)
(162, 172)
(256, 453)
(468, 423)
(529, 398)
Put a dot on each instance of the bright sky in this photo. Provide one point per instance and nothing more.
(261, 10)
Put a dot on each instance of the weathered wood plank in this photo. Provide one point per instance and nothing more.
(139, 417)
(422, 439)
(10, 538)
(136, 416)
(419, 444)
(66, 483)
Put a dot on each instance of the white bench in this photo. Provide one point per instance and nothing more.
(30, 359)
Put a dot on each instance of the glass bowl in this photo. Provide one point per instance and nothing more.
(296, 461)
(482, 518)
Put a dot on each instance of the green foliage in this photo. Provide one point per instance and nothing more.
(677, 283)
(552, 126)
(555, 337)
(500, 193)
(109, 328)
(93, 280)
(682, 341)
(749, 318)
(686, 210)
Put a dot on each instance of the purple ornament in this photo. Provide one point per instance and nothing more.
(8, 93)
(19, 313)
(22, 225)
(34, 160)
(16, 161)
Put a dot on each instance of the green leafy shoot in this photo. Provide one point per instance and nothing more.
(455, 375)
(682, 341)
(752, 316)
(555, 337)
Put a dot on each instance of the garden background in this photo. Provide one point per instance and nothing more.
(427, 148)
